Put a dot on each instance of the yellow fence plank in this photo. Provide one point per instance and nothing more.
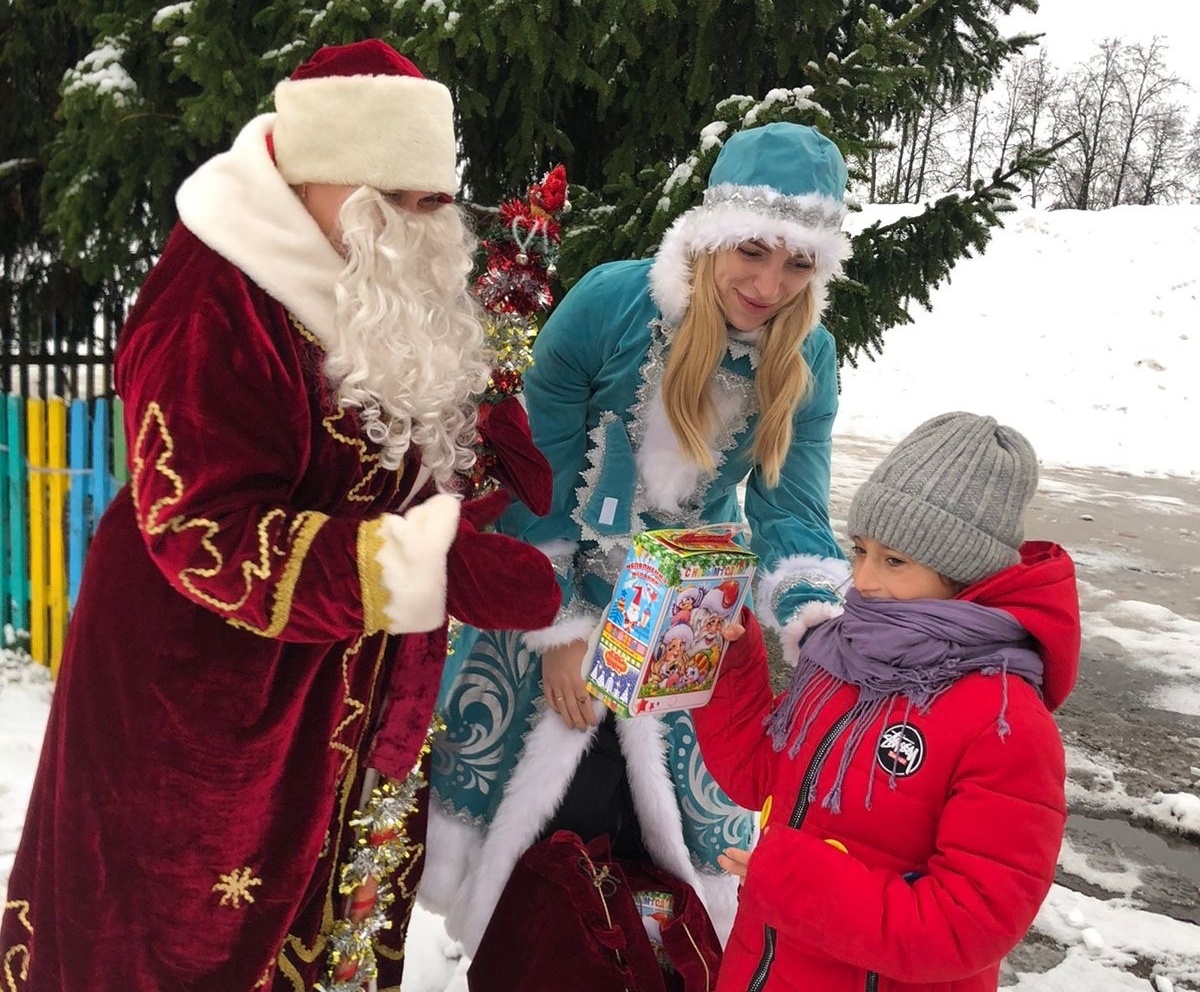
(36, 454)
(56, 519)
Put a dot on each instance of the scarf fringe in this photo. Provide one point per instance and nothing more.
(832, 657)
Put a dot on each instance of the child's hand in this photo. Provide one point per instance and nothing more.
(733, 632)
(735, 861)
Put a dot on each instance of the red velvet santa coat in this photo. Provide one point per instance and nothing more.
(226, 669)
(979, 817)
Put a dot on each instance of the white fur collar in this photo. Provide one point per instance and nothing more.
(668, 475)
(238, 204)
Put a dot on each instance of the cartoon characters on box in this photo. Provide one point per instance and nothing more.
(667, 667)
(691, 648)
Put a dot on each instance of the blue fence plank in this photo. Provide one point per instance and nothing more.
(78, 531)
(14, 480)
(100, 481)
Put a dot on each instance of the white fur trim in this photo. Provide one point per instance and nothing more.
(578, 628)
(413, 558)
(548, 762)
(723, 225)
(803, 620)
(643, 742)
(720, 896)
(667, 474)
(449, 846)
(644, 745)
(557, 548)
(390, 132)
(829, 574)
(239, 205)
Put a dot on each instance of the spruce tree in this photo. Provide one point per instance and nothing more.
(621, 91)
(40, 294)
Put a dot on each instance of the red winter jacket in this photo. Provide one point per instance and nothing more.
(975, 821)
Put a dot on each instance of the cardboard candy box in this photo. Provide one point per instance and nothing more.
(660, 645)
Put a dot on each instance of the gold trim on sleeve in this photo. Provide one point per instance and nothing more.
(370, 575)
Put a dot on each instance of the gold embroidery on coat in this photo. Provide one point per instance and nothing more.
(365, 456)
(358, 493)
(235, 887)
(370, 574)
(304, 332)
(301, 532)
(10, 980)
(348, 773)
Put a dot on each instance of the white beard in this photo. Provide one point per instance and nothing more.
(408, 347)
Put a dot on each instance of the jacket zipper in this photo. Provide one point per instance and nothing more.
(872, 981)
(799, 811)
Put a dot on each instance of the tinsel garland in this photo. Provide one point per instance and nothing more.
(513, 289)
(381, 846)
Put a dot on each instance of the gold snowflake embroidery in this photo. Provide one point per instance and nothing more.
(236, 886)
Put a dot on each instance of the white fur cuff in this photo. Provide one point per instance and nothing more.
(578, 628)
(413, 559)
(803, 620)
(827, 575)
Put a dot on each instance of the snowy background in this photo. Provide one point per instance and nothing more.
(1083, 331)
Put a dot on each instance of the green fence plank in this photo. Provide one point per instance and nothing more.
(120, 468)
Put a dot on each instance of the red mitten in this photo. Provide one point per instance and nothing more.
(519, 467)
(495, 582)
(486, 510)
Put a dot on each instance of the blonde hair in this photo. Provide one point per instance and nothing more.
(781, 380)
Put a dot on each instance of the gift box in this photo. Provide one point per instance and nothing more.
(660, 645)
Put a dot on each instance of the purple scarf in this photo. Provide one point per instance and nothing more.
(891, 648)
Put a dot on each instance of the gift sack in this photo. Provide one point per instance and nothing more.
(570, 919)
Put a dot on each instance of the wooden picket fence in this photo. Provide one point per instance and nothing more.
(61, 463)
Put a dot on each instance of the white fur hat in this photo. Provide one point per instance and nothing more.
(364, 115)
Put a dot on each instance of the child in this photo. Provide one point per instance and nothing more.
(911, 779)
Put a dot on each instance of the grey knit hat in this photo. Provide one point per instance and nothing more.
(951, 496)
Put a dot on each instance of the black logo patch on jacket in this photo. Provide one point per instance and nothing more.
(901, 749)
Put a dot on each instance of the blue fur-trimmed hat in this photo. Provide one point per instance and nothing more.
(784, 183)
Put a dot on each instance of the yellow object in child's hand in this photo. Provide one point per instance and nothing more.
(836, 843)
(765, 814)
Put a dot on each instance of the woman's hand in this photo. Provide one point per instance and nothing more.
(735, 861)
(563, 685)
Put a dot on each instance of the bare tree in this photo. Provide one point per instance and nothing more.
(1039, 87)
(1159, 173)
(1088, 107)
(1191, 161)
(973, 116)
(1145, 85)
